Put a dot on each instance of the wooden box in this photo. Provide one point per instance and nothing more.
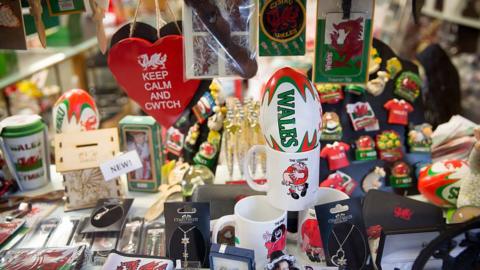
(78, 157)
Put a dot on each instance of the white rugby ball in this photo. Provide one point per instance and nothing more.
(290, 112)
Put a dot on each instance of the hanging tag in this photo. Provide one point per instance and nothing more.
(36, 12)
(98, 8)
(11, 25)
(62, 7)
(282, 27)
(343, 42)
(219, 39)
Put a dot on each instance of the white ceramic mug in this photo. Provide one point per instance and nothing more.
(292, 178)
(258, 226)
(309, 239)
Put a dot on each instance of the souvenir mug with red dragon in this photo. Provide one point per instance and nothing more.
(23, 140)
(290, 118)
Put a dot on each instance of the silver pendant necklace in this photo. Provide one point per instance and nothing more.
(99, 215)
(185, 241)
(339, 258)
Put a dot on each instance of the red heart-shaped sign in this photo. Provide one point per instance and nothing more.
(153, 76)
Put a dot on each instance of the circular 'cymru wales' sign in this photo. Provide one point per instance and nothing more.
(282, 20)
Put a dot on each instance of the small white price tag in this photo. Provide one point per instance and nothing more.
(122, 164)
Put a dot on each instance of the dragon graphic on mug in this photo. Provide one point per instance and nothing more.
(295, 178)
(277, 240)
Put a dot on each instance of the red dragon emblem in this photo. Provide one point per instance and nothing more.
(353, 43)
(135, 265)
(281, 20)
(90, 124)
(402, 213)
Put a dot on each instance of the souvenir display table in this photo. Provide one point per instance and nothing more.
(141, 203)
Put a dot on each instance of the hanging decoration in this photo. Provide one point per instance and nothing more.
(152, 75)
(282, 27)
(218, 39)
(343, 42)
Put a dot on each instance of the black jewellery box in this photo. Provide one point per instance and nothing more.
(398, 250)
(229, 257)
(399, 228)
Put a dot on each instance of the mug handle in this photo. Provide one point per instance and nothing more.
(222, 222)
(246, 170)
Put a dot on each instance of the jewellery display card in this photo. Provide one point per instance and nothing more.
(130, 239)
(187, 228)
(79, 238)
(118, 260)
(11, 25)
(62, 235)
(225, 48)
(153, 243)
(282, 27)
(344, 238)
(41, 234)
(61, 7)
(343, 42)
(103, 244)
(108, 216)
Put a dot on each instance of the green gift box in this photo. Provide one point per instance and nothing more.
(143, 134)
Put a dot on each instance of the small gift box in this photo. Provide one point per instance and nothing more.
(228, 257)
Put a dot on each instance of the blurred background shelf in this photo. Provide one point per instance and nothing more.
(457, 19)
(33, 61)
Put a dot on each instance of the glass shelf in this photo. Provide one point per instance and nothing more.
(35, 60)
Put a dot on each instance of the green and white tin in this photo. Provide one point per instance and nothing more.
(23, 139)
(143, 134)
